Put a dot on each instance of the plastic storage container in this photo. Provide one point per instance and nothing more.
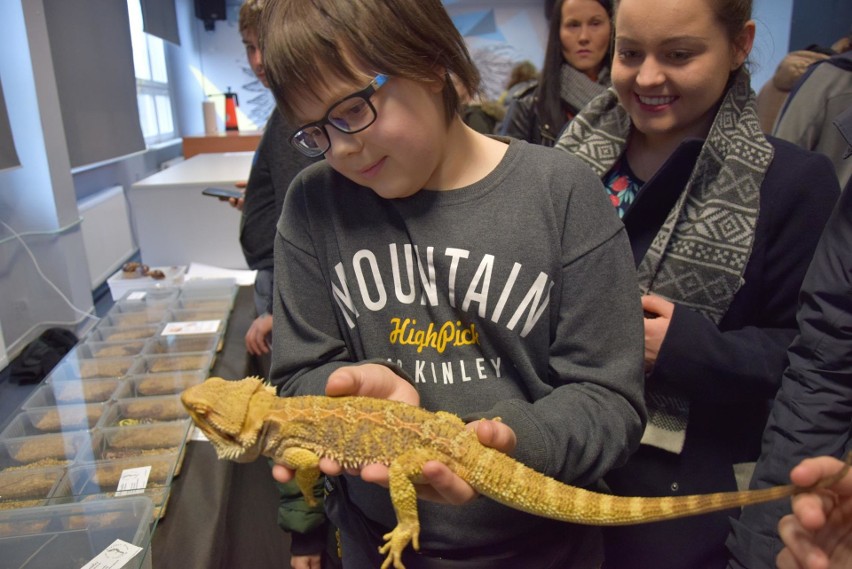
(197, 361)
(68, 536)
(168, 383)
(144, 411)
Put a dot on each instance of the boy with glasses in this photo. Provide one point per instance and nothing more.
(424, 262)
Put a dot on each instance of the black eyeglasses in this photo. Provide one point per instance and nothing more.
(350, 115)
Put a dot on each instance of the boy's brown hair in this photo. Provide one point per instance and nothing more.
(307, 45)
(250, 12)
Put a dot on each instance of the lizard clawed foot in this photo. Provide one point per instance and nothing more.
(396, 541)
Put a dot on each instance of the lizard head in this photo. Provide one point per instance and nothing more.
(221, 410)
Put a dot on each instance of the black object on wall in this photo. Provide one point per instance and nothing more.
(209, 11)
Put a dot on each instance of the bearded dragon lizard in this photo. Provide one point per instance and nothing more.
(245, 419)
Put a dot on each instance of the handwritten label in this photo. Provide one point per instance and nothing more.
(193, 327)
(133, 481)
(115, 556)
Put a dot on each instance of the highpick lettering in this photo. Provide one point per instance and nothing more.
(450, 333)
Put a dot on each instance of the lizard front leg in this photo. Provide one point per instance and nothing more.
(306, 464)
(401, 475)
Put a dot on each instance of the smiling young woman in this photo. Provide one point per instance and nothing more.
(723, 223)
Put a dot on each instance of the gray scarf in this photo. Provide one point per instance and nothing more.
(700, 254)
(577, 89)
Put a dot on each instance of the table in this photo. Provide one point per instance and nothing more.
(175, 224)
(222, 514)
(221, 142)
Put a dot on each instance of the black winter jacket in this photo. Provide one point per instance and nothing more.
(812, 414)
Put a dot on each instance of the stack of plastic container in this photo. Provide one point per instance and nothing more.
(106, 431)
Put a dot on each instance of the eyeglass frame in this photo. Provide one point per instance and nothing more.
(365, 94)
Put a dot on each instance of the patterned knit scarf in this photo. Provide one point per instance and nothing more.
(577, 89)
(698, 258)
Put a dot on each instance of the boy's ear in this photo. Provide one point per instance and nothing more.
(441, 78)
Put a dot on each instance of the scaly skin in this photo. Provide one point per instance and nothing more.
(245, 419)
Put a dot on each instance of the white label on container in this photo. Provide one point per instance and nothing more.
(114, 557)
(138, 295)
(193, 327)
(133, 481)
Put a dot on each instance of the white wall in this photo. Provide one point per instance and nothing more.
(37, 197)
(772, 38)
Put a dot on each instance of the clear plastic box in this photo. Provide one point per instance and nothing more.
(102, 477)
(121, 283)
(94, 349)
(53, 448)
(136, 440)
(104, 333)
(67, 536)
(150, 297)
(70, 392)
(181, 344)
(197, 361)
(55, 419)
(28, 487)
(143, 411)
(223, 303)
(134, 318)
(76, 368)
(168, 383)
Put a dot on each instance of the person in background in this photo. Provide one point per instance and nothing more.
(821, 94)
(774, 92)
(275, 165)
(818, 534)
(723, 223)
(522, 76)
(576, 69)
(812, 412)
(416, 223)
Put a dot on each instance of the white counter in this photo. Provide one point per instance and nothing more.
(176, 225)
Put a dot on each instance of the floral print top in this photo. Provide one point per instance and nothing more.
(622, 186)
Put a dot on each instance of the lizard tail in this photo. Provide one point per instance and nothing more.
(518, 486)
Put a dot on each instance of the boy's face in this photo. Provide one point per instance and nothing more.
(251, 44)
(402, 152)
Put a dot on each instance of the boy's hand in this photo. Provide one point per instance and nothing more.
(818, 534)
(305, 561)
(440, 484)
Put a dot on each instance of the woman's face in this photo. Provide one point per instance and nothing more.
(671, 65)
(584, 32)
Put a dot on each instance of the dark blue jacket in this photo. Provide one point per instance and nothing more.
(731, 371)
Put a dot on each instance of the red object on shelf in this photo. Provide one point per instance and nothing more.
(231, 104)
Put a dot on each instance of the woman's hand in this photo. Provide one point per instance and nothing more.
(658, 316)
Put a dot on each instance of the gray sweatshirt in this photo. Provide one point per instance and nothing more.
(514, 297)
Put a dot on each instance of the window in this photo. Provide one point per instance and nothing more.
(152, 80)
